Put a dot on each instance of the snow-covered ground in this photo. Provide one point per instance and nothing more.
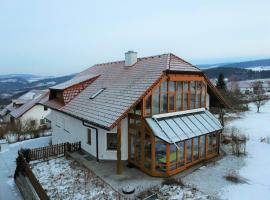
(66, 179)
(254, 167)
(8, 189)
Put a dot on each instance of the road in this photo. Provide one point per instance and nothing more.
(8, 188)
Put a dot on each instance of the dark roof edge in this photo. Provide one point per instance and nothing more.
(76, 117)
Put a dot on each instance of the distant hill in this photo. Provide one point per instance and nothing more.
(255, 65)
(249, 64)
(16, 84)
(238, 73)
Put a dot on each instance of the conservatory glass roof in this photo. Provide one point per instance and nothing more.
(178, 126)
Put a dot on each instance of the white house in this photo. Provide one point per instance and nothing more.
(27, 108)
(151, 112)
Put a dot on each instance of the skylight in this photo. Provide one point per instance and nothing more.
(97, 93)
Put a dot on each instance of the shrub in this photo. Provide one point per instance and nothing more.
(173, 181)
(233, 177)
(238, 142)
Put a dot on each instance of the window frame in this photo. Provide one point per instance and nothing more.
(107, 147)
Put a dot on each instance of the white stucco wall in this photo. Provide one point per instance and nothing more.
(35, 113)
(6, 118)
(68, 129)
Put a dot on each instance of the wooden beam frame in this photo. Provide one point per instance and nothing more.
(119, 167)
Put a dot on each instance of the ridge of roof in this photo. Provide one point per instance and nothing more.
(139, 59)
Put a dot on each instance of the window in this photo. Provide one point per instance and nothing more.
(203, 95)
(111, 141)
(164, 97)
(189, 150)
(147, 150)
(173, 157)
(42, 121)
(45, 108)
(155, 105)
(195, 148)
(148, 105)
(198, 94)
(89, 139)
(179, 96)
(97, 93)
(192, 94)
(202, 146)
(185, 93)
(180, 154)
(164, 102)
(160, 156)
(33, 122)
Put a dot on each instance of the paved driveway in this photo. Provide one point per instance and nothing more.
(8, 188)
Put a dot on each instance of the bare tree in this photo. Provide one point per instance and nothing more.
(259, 98)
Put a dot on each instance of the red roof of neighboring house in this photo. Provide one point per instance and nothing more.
(41, 97)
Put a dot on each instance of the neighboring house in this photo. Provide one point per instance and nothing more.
(152, 112)
(28, 109)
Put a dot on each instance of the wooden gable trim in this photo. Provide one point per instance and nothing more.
(216, 92)
(136, 102)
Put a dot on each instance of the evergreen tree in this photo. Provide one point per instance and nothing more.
(221, 84)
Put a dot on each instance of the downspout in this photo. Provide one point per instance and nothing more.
(89, 126)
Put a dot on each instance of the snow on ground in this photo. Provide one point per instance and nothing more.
(8, 189)
(254, 167)
(174, 192)
(66, 179)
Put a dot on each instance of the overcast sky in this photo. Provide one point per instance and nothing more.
(58, 37)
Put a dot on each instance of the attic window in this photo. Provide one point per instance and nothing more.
(97, 93)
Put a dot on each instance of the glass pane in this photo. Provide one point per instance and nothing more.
(171, 104)
(198, 100)
(210, 143)
(185, 86)
(179, 96)
(164, 106)
(160, 157)
(203, 95)
(192, 100)
(180, 155)
(195, 148)
(189, 150)
(155, 106)
(138, 149)
(148, 105)
(147, 151)
(202, 146)
(215, 141)
(185, 90)
(192, 94)
(164, 86)
(172, 155)
(138, 109)
(185, 103)
(132, 145)
(171, 86)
